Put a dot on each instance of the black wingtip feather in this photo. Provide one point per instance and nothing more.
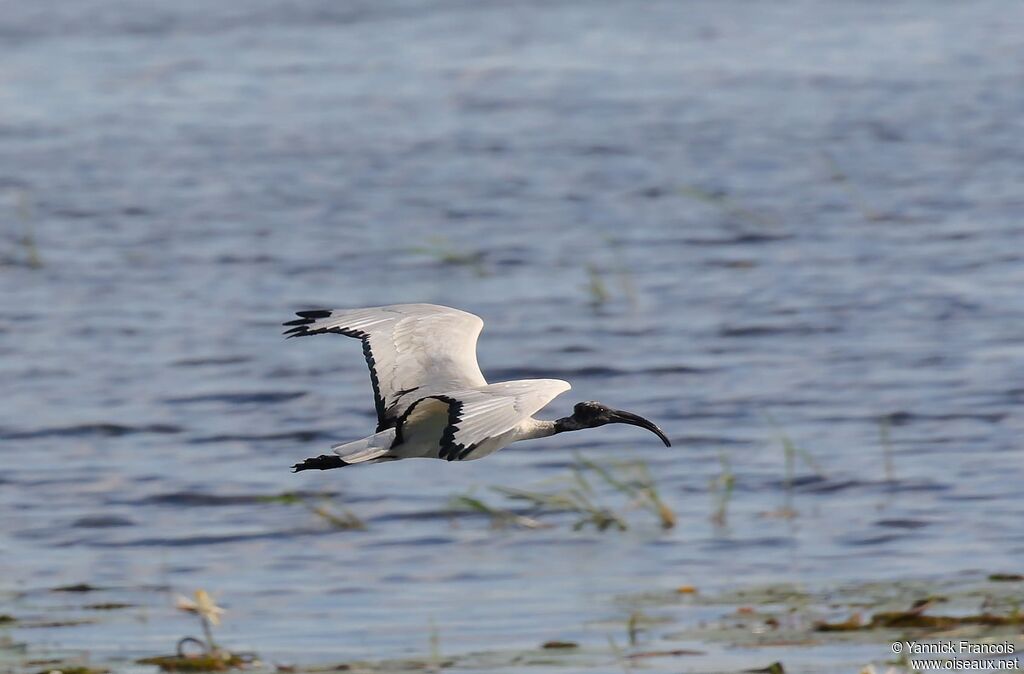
(300, 326)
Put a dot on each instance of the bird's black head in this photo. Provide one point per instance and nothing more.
(591, 414)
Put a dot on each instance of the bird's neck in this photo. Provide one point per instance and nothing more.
(569, 423)
(536, 428)
(542, 428)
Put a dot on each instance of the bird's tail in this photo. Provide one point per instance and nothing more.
(373, 449)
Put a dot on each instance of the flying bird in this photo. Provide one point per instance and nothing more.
(432, 400)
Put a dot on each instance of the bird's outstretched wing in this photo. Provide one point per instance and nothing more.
(413, 350)
(476, 414)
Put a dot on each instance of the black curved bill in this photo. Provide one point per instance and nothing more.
(621, 417)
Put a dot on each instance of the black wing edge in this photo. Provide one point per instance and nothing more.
(306, 319)
(451, 450)
(301, 329)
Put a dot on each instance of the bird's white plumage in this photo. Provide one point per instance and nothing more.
(431, 398)
(367, 449)
(488, 412)
(414, 350)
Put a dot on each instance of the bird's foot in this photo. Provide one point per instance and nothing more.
(322, 462)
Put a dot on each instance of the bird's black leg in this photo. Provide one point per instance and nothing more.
(322, 462)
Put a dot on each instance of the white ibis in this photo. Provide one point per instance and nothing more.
(432, 401)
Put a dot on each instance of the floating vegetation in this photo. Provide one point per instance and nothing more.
(108, 606)
(210, 657)
(45, 624)
(77, 587)
(915, 618)
(558, 655)
(1005, 577)
(208, 612)
(576, 494)
(638, 623)
(73, 669)
(774, 668)
(786, 615)
(7, 619)
(206, 662)
(673, 653)
(854, 622)
(675, 622)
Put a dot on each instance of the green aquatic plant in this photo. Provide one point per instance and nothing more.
(206, 662)
(884, 427)
(499, 518)
(819, 617)
(721, 488)
(791, 453)
(443, 251)
(33, 259)
(638, 484)
(1005, 577)
(917, 620)
(108, 606)
(576, 493)
(727, 204)
(211, 657)
(598, 286)
(26, 240)
(633, 627)
(77, 587)
(209, 615)
(569, 500)
(620, 655)
(853, 192)
(434, 640)
(345, 520)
